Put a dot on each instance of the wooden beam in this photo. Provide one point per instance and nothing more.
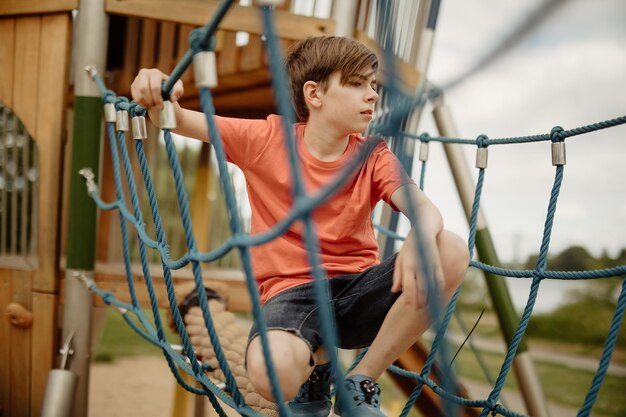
(54, 60)
(131, 46)
(228, 54)
(26, 71)
(409, 77)
(238, 18)
(21, 7)
(167, 32)
(251, 57)
(251, 98)
(148, 42)
(6, 297)
(21, 345)
(112, 277)
(7, 55)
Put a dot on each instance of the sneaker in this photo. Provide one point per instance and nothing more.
(365, 396)
(313, 399)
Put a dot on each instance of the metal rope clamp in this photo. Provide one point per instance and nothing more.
(558, 146)
(109, 113)
(423, 155)
(140, 131)
(558, 153)
(205, 69)
(167, 116)
(121, 121)
(482, 156)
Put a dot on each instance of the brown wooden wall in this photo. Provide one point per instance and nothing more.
(34, 62)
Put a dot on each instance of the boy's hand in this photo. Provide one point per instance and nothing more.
(146, 90)
(408, 276)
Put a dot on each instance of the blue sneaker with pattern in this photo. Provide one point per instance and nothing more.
(364, 395)
(313, 399)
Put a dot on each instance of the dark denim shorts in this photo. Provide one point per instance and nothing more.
(360, 303)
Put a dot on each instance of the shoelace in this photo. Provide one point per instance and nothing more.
(370, 391)
(313, 389)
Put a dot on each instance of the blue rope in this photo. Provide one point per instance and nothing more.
(143, 255)
(395, 116)
(605, 359)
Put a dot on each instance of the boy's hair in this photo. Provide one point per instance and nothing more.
(315, 59)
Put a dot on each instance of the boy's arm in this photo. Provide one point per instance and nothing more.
(407, 274)
(146, 91)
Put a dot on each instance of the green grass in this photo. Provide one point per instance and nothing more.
(560, 383)
(118, 339)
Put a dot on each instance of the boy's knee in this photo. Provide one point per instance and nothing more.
(291, 370)
(287, 378)
(454, 257)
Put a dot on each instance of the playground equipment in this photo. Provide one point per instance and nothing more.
(37, 94)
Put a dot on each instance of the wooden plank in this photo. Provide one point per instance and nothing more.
(261, 97)
(7, 34)
(181, 50)
(251, 57)
(111, 277)
(20, 7)
(108, 219)
(228, 54)
(26, 71)
(201, 206)
(20, 339)
(131, 46)
(17, 262)
(148, 42)
(54, 59)
(166, 47)
(66, 175)
(409, 76)
(44, 342)
(238, 18)
(6, 291)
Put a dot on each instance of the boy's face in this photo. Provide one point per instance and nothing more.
(349, 107)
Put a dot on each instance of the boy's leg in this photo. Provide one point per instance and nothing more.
(404, 324)
(307, 388)
(291, 357)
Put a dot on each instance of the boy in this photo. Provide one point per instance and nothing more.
(375, 304)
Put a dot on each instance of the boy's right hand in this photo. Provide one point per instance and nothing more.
(146, 88)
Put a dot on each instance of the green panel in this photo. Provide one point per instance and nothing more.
(82, 211)
(502, 302)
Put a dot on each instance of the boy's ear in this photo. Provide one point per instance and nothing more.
(312, 94)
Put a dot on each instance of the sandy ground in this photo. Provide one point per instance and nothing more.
(144, 386)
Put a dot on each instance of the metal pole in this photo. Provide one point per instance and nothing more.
(524, 370)
(344, 13)
(90, 48)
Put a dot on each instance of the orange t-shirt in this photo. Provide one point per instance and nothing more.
(343, 223)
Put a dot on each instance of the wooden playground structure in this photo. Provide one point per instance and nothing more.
(37, 87)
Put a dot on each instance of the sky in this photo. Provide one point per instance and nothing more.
(570, 72)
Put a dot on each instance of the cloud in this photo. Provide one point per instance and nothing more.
(570, 72)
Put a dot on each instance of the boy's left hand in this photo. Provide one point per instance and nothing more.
(408, 274)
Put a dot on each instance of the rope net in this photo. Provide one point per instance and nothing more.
(218, 360)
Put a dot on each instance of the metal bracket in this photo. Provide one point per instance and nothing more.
(89, 176)
(85, 280)
(66, 350)
(91, 70)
